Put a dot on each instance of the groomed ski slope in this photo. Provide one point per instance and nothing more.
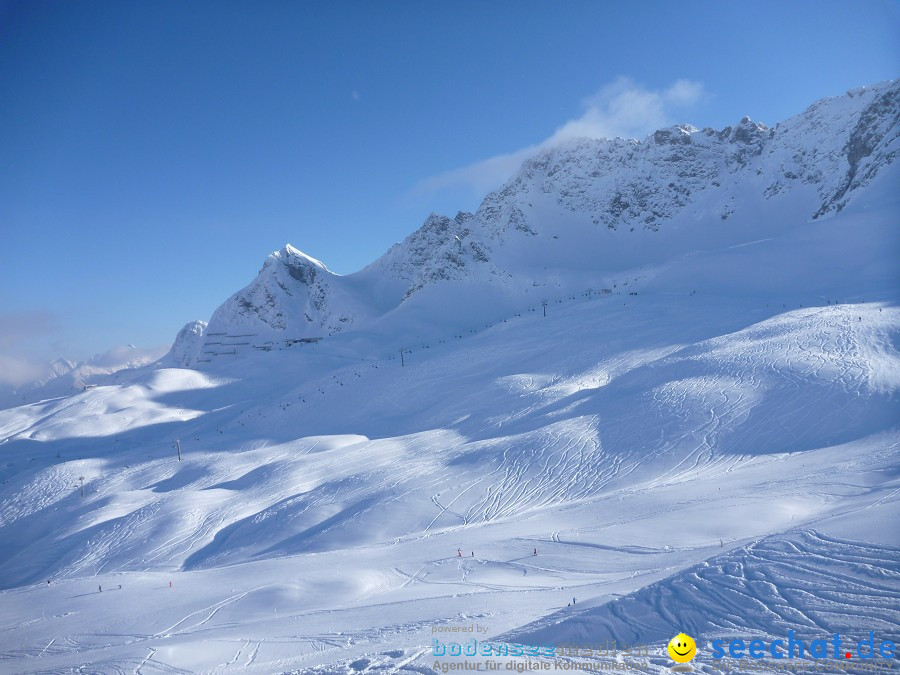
(709, 454)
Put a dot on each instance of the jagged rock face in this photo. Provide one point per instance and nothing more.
(872, 144)
(837, 145)
(441, 250)
(595, 192)
(293, 296)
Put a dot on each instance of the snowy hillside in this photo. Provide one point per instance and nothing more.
(688, 426)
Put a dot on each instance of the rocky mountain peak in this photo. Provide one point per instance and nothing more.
(298, 264)
(609, 196)
(678, 134)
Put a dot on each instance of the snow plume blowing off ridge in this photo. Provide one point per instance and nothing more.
(622, 109)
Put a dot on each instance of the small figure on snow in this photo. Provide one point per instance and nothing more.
(459, 553)
(99, 589)
(535, 552)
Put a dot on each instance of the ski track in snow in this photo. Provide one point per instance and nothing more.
(700, 456)
(545, 484)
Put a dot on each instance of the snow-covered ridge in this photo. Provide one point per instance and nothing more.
(837, 146)
(574, 215)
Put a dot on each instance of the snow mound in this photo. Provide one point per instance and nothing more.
(808, 582)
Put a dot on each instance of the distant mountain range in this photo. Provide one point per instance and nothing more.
(587, 213)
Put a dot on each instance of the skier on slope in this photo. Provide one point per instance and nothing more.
(535, 552)
(459, 553)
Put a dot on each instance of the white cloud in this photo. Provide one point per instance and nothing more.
(27, 343)
(127, 356)
(481, 177)
(18, 370)
(21, 332)
(622, 108)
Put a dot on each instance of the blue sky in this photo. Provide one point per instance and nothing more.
(153, 153)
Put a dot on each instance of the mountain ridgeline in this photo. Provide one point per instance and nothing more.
(588, 213)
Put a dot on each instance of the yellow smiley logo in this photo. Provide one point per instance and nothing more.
(682, 648)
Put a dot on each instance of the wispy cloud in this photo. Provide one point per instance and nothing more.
(18, 370)
(127, 356)
(622, 108)
(19, 332)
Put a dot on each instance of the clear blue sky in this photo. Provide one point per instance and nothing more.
(153, 153)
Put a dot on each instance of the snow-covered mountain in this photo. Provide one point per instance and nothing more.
(700, 434)
(583, 214)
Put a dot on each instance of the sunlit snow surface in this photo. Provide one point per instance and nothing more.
(717, 454)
